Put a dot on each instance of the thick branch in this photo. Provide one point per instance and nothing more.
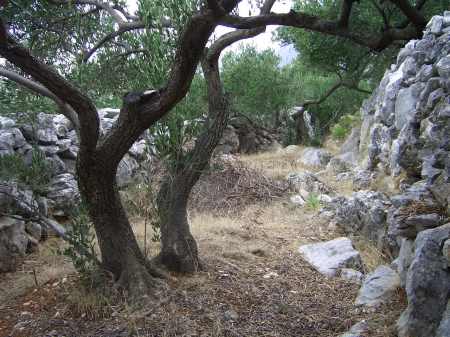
(375, 41)
(148, 107)
(345, 13)
(215, 6)
(39, 89)
(419, 5)
(413, 14)
(228, 39)
(56, 84)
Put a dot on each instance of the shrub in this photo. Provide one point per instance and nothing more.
(313, 201)
(81, 244)
(140, 201)
(35, 175)
(343, 127)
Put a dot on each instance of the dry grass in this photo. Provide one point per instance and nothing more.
(372, 257)
(344, 188)
(253, 270)
(39, 268)
(332, 145)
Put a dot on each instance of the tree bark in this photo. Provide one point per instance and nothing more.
(301, 131)
(119, 249)
(179, 251)
(99, 157)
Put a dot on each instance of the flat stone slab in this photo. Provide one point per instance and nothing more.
(378, 287)
(331, 256)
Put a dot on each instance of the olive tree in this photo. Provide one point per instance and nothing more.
(99, 154)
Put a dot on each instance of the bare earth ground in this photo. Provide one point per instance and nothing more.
(255, 284)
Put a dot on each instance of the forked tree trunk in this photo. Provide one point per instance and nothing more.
(179, 251)
(99, 157)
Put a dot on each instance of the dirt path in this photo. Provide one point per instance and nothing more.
(255, 284)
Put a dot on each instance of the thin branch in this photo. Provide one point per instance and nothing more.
(413, 14)
(123, 29)
(322, 98)
(125, 22)
(382, 13)
(240, 34)
(39, 89)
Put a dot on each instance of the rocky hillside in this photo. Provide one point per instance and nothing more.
(56, 139)
(405, 139)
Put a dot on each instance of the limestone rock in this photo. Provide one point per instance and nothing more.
(378, 287)
(364, 213)
(45, 130)
(427, 285)
(63, 193)
(339, 164)
(315, 157)
(17, 200)
(351, 275)
(357, 330)
(362, 179)
(330, 257)
(446, 251)
(6, 123)
(13, 243)
(404, 259)
(229, 142)
(308, 182)
(351, 144)
(34, 230)
(297, 200)
(444, 326)
(10, 140)
(125, 172)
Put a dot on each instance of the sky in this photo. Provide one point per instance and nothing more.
(264, 41)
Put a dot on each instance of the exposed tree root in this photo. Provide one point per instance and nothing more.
(142, 282)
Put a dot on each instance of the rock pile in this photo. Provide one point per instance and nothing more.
(244, 136)
(405, 134)
(54, 136)
(56, 139)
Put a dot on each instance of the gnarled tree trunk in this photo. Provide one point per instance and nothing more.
(99, 156)
(120, 251)
(179, 251)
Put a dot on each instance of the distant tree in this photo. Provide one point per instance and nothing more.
(254, 82)
(340, 73)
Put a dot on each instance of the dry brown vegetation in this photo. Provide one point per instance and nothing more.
(254, 284)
